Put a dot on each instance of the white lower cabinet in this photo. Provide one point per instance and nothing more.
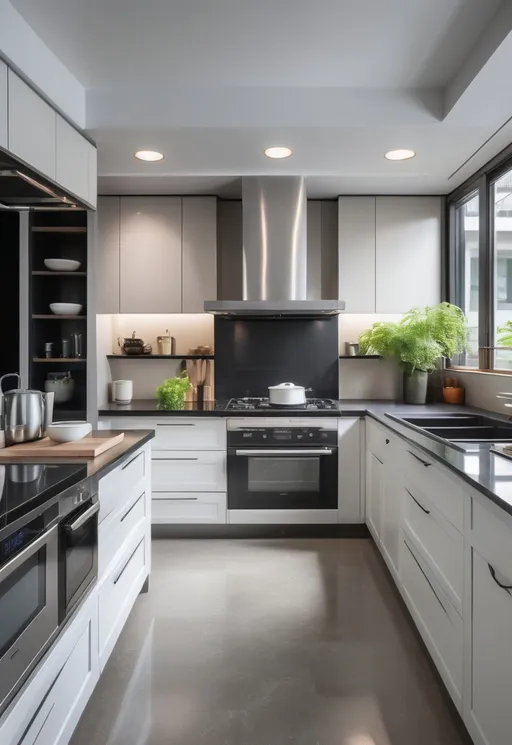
(490, 709)
(437, 620)
(374, 493)
(189, 508)
(350, 508)
(197, 471)
(118, 592)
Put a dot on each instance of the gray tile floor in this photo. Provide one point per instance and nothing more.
(268, 643)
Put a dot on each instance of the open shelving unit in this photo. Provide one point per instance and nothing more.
(58, 234)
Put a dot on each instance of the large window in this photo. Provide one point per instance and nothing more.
(480, 264)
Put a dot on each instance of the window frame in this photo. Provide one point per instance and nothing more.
(482, 183)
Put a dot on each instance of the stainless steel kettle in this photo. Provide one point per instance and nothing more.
(24, 415)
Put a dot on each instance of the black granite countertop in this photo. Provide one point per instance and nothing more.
(102, 464)
(149, 407)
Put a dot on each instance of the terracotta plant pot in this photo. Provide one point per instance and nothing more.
(453, 395)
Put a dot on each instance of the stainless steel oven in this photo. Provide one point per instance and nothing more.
(78, 550)
(28, 592)
(280, 464)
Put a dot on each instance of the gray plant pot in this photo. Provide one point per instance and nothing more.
(416, 387)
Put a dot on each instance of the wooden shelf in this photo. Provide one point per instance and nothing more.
(360, 357)
(160, 356)
(55, 317)
(55, 229)
(59, 274)
(59, 359)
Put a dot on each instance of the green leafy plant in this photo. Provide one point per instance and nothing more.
(505, 331)
(171, 393)
(420, 338)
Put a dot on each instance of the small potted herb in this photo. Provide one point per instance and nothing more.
(418, 341)
(171, 393)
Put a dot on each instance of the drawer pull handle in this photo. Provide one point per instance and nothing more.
(507, 588)
(176, 458)
(130, 462)
(189, 424)
(423, 573)
(131, 508)
(387, 442)
(182, 499)
(129, 559)
(425, 462)
(380, 461)
(427, 512)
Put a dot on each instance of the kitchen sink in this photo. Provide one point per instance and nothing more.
(475, 434)
(461, 427)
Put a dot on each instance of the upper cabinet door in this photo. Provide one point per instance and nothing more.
(199, 252)
(107, 257)
(150, 246)
(72, 160)
(3, 105)
(408, 253)
(93, 175)
(32, 125)
(356, 259)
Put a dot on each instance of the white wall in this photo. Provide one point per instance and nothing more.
(22, 48)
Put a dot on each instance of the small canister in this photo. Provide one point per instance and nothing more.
(166, 343)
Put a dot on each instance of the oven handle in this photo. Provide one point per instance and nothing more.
(303, 451)
(84, 517)
(27, 552)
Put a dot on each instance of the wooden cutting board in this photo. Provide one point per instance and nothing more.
(88, 447)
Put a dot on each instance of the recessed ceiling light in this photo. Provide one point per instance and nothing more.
(150, 155)
(278, 152)
(402, 154)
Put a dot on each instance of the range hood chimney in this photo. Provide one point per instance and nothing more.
(274, 212)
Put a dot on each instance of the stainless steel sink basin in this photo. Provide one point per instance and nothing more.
(460, 427)
(473, 434)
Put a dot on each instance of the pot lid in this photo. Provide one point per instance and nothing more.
(285, 386)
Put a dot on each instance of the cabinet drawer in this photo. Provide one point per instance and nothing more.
(116, 529)
(120, 484)
(492, 535)
(437, 620)
(179, 433)
(186, 508)
(378, 439)
(432, 480)
(118, 593)
(440, 542)
(179, 471)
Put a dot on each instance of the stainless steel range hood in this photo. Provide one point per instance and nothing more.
(274, 212)
(23, 189)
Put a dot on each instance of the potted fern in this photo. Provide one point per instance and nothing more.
(418, 341)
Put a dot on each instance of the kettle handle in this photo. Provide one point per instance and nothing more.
(9, 375)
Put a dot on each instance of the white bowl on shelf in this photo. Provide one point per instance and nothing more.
(62, 265)
(65, 309)
(68, 431)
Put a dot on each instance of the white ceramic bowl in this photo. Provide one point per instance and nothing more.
(65, 309)
(68, 431)
(62, 265)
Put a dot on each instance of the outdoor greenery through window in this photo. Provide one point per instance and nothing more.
(480, 264)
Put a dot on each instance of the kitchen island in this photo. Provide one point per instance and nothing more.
(110, 518)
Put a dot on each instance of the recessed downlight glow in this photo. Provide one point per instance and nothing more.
(149, 155)
(402, 154)
(278, 152)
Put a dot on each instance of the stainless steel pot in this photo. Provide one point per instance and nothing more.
(287, 394)
(24, 414)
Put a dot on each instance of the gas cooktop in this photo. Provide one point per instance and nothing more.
(253, 404)
(25, 486)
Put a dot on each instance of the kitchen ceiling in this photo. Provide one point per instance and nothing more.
(339, 81)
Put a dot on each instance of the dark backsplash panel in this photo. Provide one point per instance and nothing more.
(251, 354)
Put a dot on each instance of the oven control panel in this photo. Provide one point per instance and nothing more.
(285, 436)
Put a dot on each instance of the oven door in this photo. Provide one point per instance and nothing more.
(28, 607)
(283, 479)
(78, 556)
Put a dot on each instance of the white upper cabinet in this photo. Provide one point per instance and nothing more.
(106, 260)
(93, 175)
(356, 241)
(32, 127)
(407, 253)
(150, 255)
(389, 253)
(72, 160)
(3, 104)
(199, 252)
